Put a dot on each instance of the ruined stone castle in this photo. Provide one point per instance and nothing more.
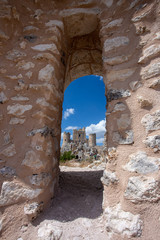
(79, 136)
(44, 46)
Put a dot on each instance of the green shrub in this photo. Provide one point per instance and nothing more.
(66, 156)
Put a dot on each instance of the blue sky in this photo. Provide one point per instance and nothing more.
(85, 106)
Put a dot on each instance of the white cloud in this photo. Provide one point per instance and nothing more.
(100, 140)
(68, 112)
(71, 128)
(100, 77)
(98, 128)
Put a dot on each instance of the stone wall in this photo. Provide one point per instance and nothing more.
(43, 47)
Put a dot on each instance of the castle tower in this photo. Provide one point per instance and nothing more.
(92, 140)
(66, 138)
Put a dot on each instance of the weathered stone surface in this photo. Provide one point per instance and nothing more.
(155, 84)
(56, 23)
(42, 56)
(153, 142)
(42, 179)
(40, 115)
(85, 18)
(142, 189)
(10, 151)
(14, 192)
(15, 55)
(144, 102)
(108, 3)
(42, 102)
(157, 36)
(123, 122)
(133, 4)
(3, 98)
(30, 28)
(49, 231)
(134, 85)
(121, 222)
(116, 60)
(141, 163)
(7, 172)
(32, 161)
(20, 98)
(114, 94)
(151, 70)
(119, 107)
(45, 131)
(46, 47)
(25, 65)
(109, 178)
(142, 14)
(46, 74)
(14, 77)
(120, 75)
(114, 43)
(23, 45)
(33, 209)
(18, 109)
(1, 225)
(151, 122)
(126, 138)
(2, 85)
(15, 121)
(149, 53)
(114, 23)
(3, 36)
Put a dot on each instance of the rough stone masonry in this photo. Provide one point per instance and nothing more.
(44, 46)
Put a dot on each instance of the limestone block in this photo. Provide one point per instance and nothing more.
(157, 36)
(3, 36)
(14, 77)
(151, 122)
(119, 107)
(42, 56)
(121, 222)
(3, 98)
(151, 70)
(46, 47)
(7, 172)
(42, 102)
(109, 178)
(33, 209)
(139, 162)
(85, 19)
(108, 3)
(42, 179)
(134, 85)
(144, 102)
(149, 53)
(123, 122)
(20, 98)
(14, 192)
(126, 138)
(119, 75)
(40, 115)
(25, 65)
(32, 161)
(15, 121)
(15, 55)
(155, 84)
(49, 231)
(116, 60)
(114, 23)
(29, 74)
(142, 14)
(2, 85)
(133, 4)
(30, 28)
(23, 45)
(46, 74)
(18, 109)
(57, 23)
(113, 43)
(114, 94)
(1, 224)
(10, 151)
(153, 142)
(142, 188)
(45, 131)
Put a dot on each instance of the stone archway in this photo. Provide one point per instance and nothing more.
(35, 39)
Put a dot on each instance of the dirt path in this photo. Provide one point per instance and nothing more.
(77, 208)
